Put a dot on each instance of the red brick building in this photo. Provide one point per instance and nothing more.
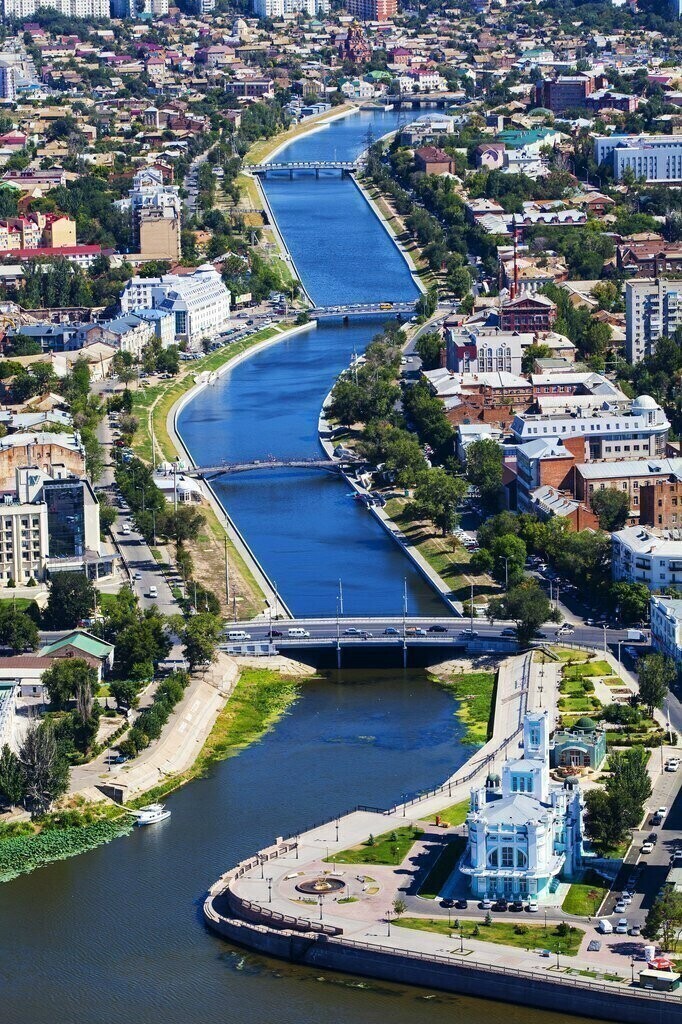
(660, 503)
(432, 160)
(530, 313)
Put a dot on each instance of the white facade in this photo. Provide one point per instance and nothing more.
(69, 8)
(280, 8)
(666, 626)
(653, 309)
(652, 157)
(639, 556)
(527, 831)
(8, 87)
(200, 302)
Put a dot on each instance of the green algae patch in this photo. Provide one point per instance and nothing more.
(475, 693)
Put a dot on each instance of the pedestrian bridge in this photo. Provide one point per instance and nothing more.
(312, 166)
(228, 468)
(362, 309)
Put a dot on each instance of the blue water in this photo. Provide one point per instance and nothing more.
(304, 526)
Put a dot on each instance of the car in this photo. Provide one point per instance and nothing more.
(656, 819)
(501, 905)
(462, 904)
(468, 633)
(593, 946)
(662, 812)
(672, 764)
(391, 631)
(516, 907)
(533, 905)
(415, 631)
(676, 857)
(153, 592)
(437, 629)
(276, 632)
(626, 897)
(447, 904)
(486, 904)
(652, 837)
(622, 926)
(636, 929)
(619, 907)
(137, 575)
(647, 848)
(352, 631)
(125, 529)
(509, 631)
(565, 630)
(365, 634)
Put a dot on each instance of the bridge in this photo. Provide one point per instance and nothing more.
(228, 468)
(373, 309)
(314, 166)
(404, 633)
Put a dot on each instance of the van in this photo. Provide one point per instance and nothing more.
(605, 927)
(297, 632)
(238, 634)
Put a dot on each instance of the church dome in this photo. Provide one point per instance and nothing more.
(585, 725)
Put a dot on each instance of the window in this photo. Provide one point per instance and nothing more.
(521, 859)
(507, 856)
(492, 858)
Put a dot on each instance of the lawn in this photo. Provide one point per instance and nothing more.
(389, 848)
(502, 933)
(590, 668)
(20, 604)
(455, 814)
(580, 705)
(474, 692)
(568, 654)
(583, 899)
(443, 868)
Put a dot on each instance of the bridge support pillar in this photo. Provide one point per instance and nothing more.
(404, 654)
(338, 655)
(291, 175)
(317, 172)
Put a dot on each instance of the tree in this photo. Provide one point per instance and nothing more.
(399, 906)
(630, 600)
(200, 638)
(436, 498)
(428, 349)
(655, 674)
(628, 786)
(600, 824)
(46, 771)
(12, 782)
(484, 469)
(611, 508)
(527, 605)
(509, 558)
(665, 918)
(18, 630)
(141, 643)
(124, 692)
(72, 598)
(66, 678)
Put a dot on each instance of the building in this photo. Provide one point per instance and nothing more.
(8, 87)
(372, 10)
(641, 556)
(199, 302)
(69, 8)
(528, 313)
(665, 615)
(644, 480)
(526, 831)
(54, 455)
(562, 93)
(481, 350)
(281, 8)
(155, 215)
(581, 746)
(652, 310)
(432, 160)
(652, 157)
(649, 258)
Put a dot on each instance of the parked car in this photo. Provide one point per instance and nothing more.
(622, 926)
(533, 905)
(647, 847)
(447, 904)
(619, 907)
(672, 764)
(486, 904)
(636, 929)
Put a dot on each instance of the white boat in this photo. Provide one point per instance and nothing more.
(150, 814)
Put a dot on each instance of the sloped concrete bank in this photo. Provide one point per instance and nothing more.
(575, 996)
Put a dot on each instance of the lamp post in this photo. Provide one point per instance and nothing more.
(558, 950)
(604, 628)
(269, 890)
(404, 804)
(632, 970)
(341, 597)
(545, 921)
(505, 559)
(337, 829)
(461, 941)
(319, 900)
(388, 923)
(620, 667)
(262, 867)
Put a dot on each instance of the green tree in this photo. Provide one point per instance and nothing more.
(628, 786)
(437, 498)
(12, 781)
(601, 825)
(71, 598)
(124, 692)
(66, 677)
(527, 605)
(630, 600)
(664, 919)
(45, 769)
(18, 630)
(484, 469)
(200, 639)
(655, 673)
(428, 349)
(509, 558)
(611, 508)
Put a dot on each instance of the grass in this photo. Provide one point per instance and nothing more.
(455, 814)
(389, 848)
(591, 668)
(474, 692)
(21, 604)
(580, 705)
(449, 559)
(259, 700)
(502, 933)
(443, 868)
(583, 899)
(567, 654)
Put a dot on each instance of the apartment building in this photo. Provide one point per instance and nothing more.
(665, 614)
(637, 477)
(372, 10)
(69, 8)
(8, 81)
(562, 93)
(652, 310)
(199, 302)
(528, 313)
(155, 215)
(641, 556)
(652, 157)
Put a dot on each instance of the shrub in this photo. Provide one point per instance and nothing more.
(563, 929)
(520, 929)
(127, 748)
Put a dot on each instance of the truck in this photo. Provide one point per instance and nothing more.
(636, 635)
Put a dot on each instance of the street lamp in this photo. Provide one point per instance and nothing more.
(269, 890)
(388, 923)
(558, 950)
(461, 941)
(319, 900)
(632, 970)
(337, 830)
(404, 804)
(545, 921)
(604, 628)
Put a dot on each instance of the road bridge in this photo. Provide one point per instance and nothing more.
(301, 166)
(373, 309)
(228, 468)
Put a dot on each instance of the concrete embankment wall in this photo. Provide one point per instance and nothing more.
(522, 988)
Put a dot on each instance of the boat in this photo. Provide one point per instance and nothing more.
(150, 814)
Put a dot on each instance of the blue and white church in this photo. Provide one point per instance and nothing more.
(524, 830)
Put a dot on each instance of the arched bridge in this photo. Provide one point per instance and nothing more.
(228, 468)
(386, 309)
(315, 166)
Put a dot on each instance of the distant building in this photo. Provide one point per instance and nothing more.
(155, 215)
(432, 160)
(563, 93)
(653, 309)
(583, 745)
(199, 302)
(666, 626)
(8, 86)
(640, 556)
(528, 313)
(524, 832)
(280, 8)
(69, 8)
(652, 157)
(372, 10)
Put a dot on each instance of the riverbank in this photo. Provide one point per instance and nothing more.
(267, 149)
(418, 275)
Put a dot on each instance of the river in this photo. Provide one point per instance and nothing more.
(304, 526)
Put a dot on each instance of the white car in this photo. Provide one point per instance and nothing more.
(662, 812)
(622, 926)
(533, 906)
(647, 847)
(672, 764)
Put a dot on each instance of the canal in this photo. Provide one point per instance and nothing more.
(304, 526)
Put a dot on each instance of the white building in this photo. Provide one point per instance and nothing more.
(640, 556)
(666, 626)
(652, 157)
(199, 301)
(155, 214)
(524, 831)
(280, 8)
(653, 309)
(69, 8)
(8, 86)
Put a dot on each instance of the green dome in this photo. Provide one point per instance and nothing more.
(585, 725)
